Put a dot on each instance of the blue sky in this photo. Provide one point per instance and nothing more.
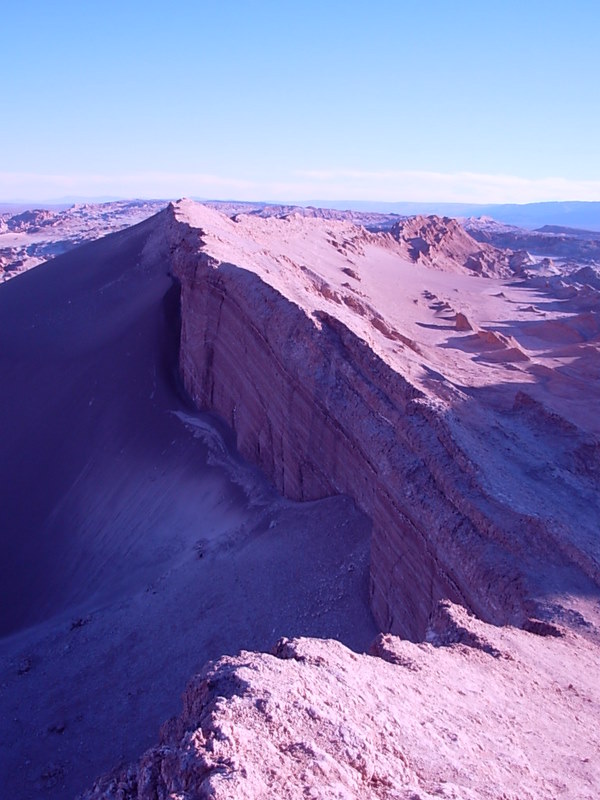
(432, 101)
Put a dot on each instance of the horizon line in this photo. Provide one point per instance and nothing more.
(314, 203)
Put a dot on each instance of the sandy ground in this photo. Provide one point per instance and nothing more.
(136, 544)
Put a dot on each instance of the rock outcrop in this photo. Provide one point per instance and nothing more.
(304, 378)
(477, 713)
(31, 221)
(443, 243)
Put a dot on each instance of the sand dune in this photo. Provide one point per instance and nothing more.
(136, 543)
(32, 236)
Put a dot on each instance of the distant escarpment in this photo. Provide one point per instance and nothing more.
(550, 240)
(321, 411)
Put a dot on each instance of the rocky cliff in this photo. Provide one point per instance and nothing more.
(463, 716)
(319, 386)
(457, 411)
(442, 242)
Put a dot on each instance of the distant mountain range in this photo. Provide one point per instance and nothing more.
(574, 214)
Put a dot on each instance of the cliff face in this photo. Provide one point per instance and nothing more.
(460, 413)
(320, 414)
(301, 368)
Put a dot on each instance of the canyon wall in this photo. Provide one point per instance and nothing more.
(314, 406)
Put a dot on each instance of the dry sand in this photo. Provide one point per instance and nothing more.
(136, 544)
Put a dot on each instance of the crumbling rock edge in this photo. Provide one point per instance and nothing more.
(461, 716)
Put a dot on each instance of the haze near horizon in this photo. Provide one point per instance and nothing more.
(438, 102)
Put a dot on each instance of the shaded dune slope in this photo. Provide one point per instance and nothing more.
(136, 543)
(88, 368)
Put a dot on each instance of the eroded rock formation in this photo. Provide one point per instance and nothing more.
(457, 412)
(316, 385)
(443, 242)
(478, 712)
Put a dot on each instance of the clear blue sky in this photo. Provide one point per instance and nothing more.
(408, 100)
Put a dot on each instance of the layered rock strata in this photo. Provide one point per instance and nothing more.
(297, 369)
